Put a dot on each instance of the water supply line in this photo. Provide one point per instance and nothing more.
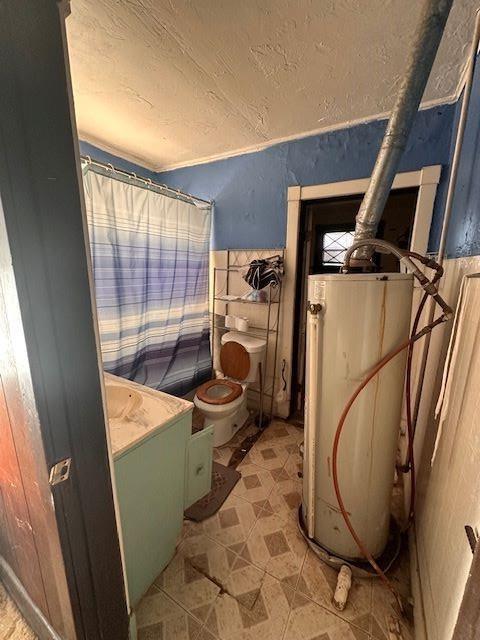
(430, 288)
(449, 201)
(422, 56)
(405, 258)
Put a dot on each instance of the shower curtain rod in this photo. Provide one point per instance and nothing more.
(147, 182)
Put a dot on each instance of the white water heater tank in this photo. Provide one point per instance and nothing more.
(359, 319)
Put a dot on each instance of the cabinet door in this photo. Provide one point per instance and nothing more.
(150, 488)
(198, 481)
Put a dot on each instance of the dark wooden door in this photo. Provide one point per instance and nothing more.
(17, 542)
(51, 397)
(30, 548)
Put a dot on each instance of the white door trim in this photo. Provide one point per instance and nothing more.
(426, 179)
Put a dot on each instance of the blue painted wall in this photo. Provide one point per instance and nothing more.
(250, 190)
(464, 230)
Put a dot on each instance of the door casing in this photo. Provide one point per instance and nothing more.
(40, 188)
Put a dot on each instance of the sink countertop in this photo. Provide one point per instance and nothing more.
(157, 409)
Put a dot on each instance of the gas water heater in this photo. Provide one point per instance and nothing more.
(353, 321)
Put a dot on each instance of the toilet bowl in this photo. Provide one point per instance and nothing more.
(223, 401)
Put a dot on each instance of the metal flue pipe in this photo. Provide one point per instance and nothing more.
(422, 56)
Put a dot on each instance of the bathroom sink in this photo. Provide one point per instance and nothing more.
(121, 401)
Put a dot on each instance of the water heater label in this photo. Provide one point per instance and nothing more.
(318, 290)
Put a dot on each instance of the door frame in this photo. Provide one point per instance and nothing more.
(426, 179)
(42, 197)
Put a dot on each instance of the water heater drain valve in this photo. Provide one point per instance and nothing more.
(314, 308)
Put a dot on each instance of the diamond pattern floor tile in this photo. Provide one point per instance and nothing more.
(247, 574)
(266, 619)
(309, 621)
(160, 618)
(188, 587)
(276, 547)
(209, 557)
(297, 433)
(278, 434)
(206, 635)
(223, 454)
(294, 465)
(318, 581)
(245, 582)
(232, 524)
(285, 499)
(255, 485)
(269, 457)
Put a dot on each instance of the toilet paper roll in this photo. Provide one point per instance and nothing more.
(230, 322)
(242, 324)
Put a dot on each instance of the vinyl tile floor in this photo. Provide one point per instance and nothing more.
(246, 573)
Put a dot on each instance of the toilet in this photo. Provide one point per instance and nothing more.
(223, 401)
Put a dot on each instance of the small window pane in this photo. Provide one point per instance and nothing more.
(335, 245)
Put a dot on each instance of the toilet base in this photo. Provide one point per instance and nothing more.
(225, 428)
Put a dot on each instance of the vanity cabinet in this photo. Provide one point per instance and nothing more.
(198, 471)
(156, 478)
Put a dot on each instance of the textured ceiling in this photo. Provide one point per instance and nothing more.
(171, 82)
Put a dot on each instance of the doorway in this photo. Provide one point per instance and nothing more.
(326, 230)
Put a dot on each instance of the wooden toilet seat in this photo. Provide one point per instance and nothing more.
(234, 360)
(235, 363)
(234, 391)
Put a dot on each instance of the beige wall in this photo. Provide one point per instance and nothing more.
(449, 487)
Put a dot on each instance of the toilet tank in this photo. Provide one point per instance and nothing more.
(255, 348)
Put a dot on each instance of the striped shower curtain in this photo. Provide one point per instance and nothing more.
(150, 269)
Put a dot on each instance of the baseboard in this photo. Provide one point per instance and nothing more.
(32, 614)
(418, 608)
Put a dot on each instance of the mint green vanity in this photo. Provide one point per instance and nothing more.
(160, 469)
